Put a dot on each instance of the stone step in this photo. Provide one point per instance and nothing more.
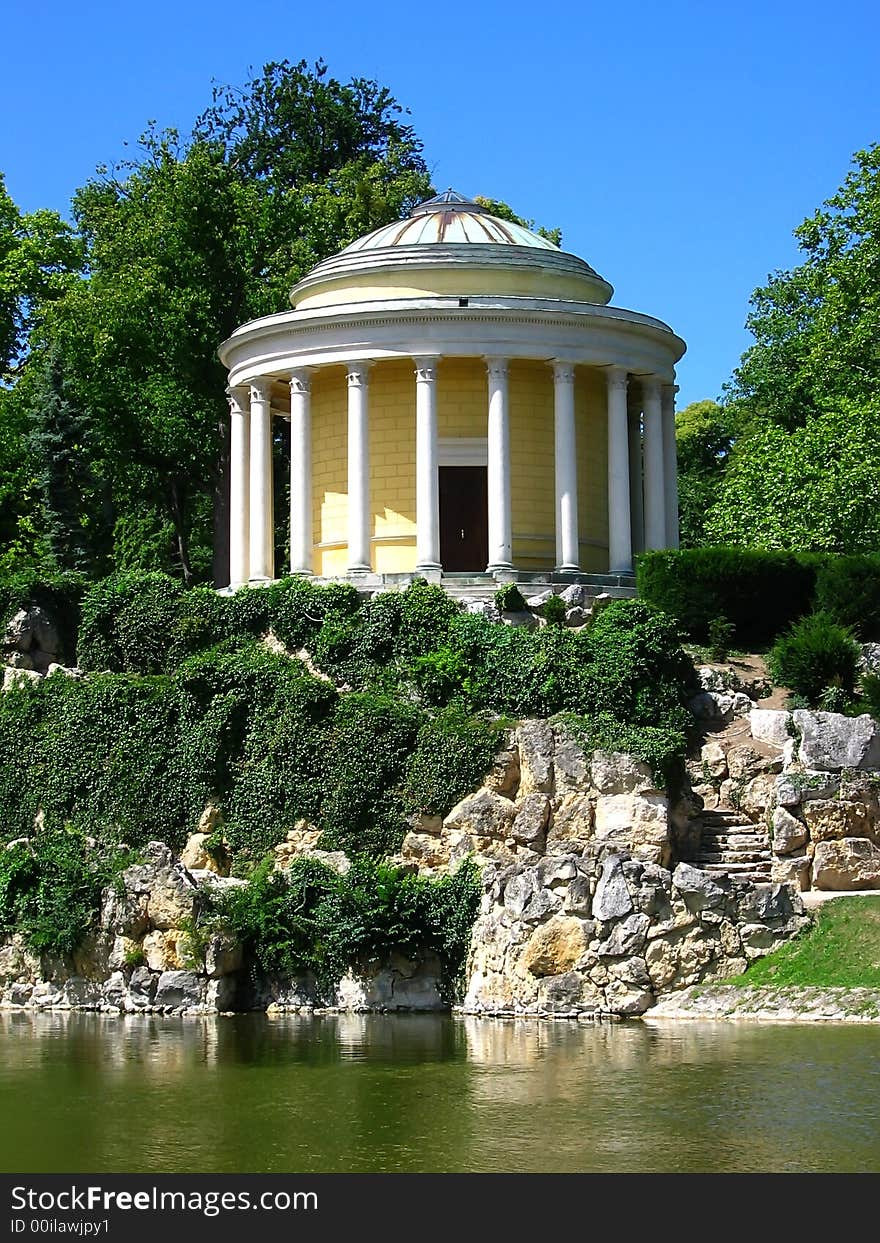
(756, 841)
(737, 869)
(741, 856)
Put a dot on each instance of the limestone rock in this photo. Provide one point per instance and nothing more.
(627, 937)
(831, 741)
(757, 795)
(851, 863)
(828, 819)
(712, 707)
(124, 913)
(504, 777)
(576, 617)
(180, 990)
(639, 822)
(485, 814)
(576, 595)
(697, 888)
(744, 763)
(770, 726)
(537, 602)
(141, 989)
(614, 773)
(788, 833)
(794, 787)
(612, 897)
(530, 823)
(554, 947)
(44, 632)
(570, 765)
(165, 950)
(19, 632)
(572, 820)
(536, 744)
(223, 956)
(714, 760)
(792, 870)
(195, 856)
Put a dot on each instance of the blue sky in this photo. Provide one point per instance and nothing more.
(676, 144)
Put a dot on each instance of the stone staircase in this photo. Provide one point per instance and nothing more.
(731, 845)
(484, 586)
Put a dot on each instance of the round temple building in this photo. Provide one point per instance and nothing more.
(463, 400)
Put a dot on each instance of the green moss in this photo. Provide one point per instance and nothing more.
(841, 949)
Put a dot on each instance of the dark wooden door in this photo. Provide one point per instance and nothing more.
(464, 524)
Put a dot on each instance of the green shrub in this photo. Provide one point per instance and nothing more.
(871, 693)
(50, 888)
(848, 590)
(300, 608)
(760, 592)
(453, 753)
(309, 919)
(146, 623)
(664, 749)
(554, 611)
(509, 599)
(721, 633)
(815, 654)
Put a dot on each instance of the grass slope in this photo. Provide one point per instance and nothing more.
(842, 949)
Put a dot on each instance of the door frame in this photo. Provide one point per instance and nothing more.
(463, 451)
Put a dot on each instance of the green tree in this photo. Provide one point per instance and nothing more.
(187, 240)
(811, 488)
(704, 436)
(38, 254)
(817, 327)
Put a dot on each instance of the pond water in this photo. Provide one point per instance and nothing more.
(88, 1093)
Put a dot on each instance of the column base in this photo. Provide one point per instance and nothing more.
(302, 573)
(567, 569)
(429, 567)
(500, 567)
(360, 568)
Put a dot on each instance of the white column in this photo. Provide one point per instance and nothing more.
(636, 491)
(655, 499)
(566, 467)
(239, 484)
(670, 463)
(619, 523)
(300, 472)
(427, 475)
(262, 560)
(500, 536)
(358, 468)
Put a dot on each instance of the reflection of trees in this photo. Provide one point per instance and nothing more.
(366, 1092)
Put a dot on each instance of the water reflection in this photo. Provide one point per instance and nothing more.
(364, 1092)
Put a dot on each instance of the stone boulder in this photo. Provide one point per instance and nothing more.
(180, 990)
(771, 727)
(789, 833)
(830, 819)
(485, 814)
(536, 746)
(170, 889)
(830, 741)
(612, 772)
(850, 863)
(555, 947)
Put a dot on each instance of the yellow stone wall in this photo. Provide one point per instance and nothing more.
(461, 412)
(462, 281)
(532, 497)
(591, 420)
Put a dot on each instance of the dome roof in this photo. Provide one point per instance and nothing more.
(449, 218)
(449, 246)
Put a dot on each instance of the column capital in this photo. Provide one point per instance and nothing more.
(426, 368)
(356, 374)
(261, 389)
(238, 396)
(301, 380)
(497, 368)
(616, 377)
(563, 371)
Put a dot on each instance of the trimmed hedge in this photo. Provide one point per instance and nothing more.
(848, 590)
(760, 592)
